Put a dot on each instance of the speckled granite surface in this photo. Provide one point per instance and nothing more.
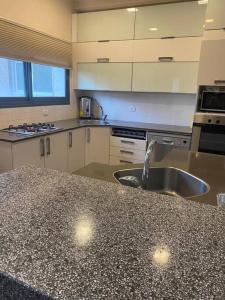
(77, 123)
(73, 237)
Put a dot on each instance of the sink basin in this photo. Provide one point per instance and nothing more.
(94, 122)
(169, 181)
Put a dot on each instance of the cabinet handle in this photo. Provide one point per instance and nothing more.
(126, 161)
(166, 58)
(103, 60)
(167, 37)
(88, 135)
(168, 142)
(127, 142)
(126, 152)
(219, 81)
(42, 147)
(70, 139)
(103, 41)
(48, 146)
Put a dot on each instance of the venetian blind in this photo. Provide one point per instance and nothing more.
(18, 42)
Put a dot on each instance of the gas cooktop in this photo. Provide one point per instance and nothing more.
(32, 129)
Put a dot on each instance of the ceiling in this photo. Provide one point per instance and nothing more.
(96, 5)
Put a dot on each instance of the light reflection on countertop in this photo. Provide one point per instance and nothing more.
(83, 230)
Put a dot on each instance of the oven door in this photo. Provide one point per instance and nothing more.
(212, 139)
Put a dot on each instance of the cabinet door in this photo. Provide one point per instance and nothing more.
(56, 151)
(29, 152)
(104, 76)
(97, 145)
(111, 51)
(76, 152)
(215, 15)
(172, 77)
(106, 25)
(212, 63)
(170, 20)
(179, 49)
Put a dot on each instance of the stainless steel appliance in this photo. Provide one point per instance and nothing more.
(85, 107)
(209, 121)
(32, 129)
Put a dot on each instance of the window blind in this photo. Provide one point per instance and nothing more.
(18, 42)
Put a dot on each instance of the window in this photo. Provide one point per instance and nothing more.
(12, 78)
(30, 84)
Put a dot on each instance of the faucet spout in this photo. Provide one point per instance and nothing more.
(147, 163)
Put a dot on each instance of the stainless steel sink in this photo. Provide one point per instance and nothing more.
(168, 181)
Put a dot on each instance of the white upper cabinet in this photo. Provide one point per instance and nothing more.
(111, 51)
(168, 77)
(106, 25)
(104, 76)
(215, 15)
(170, 20)
(212, 63)
(178, 49)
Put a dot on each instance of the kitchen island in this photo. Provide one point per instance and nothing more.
(71, 237)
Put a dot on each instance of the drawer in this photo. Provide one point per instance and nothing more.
(127, 143)
(173, 141)
(127, 153)
(114, 160)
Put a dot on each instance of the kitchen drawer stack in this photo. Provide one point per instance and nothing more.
(127, 150)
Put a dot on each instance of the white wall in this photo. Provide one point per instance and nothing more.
(49, 16)
(52, 17)
(172, 109)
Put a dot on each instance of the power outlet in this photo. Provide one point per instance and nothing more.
(45, 112)
(132, 108)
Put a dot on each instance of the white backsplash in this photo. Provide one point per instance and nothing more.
(162, 108)
(16, 116)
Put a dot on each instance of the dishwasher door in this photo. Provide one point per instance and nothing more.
(175, 141)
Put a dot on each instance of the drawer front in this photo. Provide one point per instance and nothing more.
(126, 143)
(173, 141)
(114, 160)
(127, 153)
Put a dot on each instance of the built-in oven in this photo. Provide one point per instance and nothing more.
(208, 133)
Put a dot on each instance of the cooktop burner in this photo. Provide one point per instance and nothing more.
(32, 129)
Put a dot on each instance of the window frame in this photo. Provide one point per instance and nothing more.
(29, 100)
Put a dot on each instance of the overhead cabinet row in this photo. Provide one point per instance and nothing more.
(155, 21)
(170, 77)
(148, 50)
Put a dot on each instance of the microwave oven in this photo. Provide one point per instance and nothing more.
(211, 99)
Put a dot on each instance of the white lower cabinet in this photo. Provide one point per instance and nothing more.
(76, 151)
(29, 152)
(48, 151)
(97, 145)
(168, 77)
(127, 150)
(56, 151)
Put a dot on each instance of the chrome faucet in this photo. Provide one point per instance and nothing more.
(103, 117)
(147, 163)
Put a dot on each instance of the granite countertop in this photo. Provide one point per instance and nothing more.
(72, 237)
(77, 123)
